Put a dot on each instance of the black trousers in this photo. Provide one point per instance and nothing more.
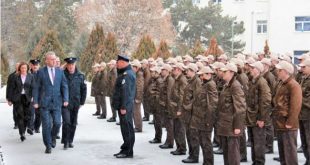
(287, 144)
(258, 137)
(126, 124)
(69, 117)
(15, 114)
(23, 114)
(304, 126)
(37, 119)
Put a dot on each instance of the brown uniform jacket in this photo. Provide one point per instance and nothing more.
(287, 101)
(139, 87)
(271, 80)
(165, 93)
(305, 108)
(147, 78)
(258, 102)
(231, 109)
(177, 94)
(96, 82)
(153, 94)
(244, 81)
(204, 106)
(190, 94)
(112, 75)
(103, 81)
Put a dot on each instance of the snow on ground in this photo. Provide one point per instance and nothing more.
(95, 143)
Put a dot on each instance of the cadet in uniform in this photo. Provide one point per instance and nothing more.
(139, 94)
(112, 75)
(231, 110)
(153, 92)
(257, 114)
(94, 87)
(201, 123)
(187, 107)
(176, 108)
(77, 97)
(164, 100)
(102, 90)
(287, 101)
(123, 101)
(304, 117)
(147, 77)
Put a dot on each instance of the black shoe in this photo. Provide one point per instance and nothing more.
(48, 150)
(145, 119)
(275, 138)
(53, 143)
(268, 151)
(30, 131)
(124, 156)
(299, 150)
(215, 145)
(37, 131)
(117, 153)
(57, 137)
(188, 160)
(243, 159)
(219, 151)
(151, 122)
(66, 146)
(137, 130)
(96, 114)
(22, 138)
(112, 119)
(118, 123)
(71, 145)
(165, 146)
(248, 144)
(15, 127)
(276, 159)
(155, 141)
(101, 117)
(178, 152)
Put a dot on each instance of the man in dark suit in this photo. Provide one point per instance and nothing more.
(123, 101)
(50, 93)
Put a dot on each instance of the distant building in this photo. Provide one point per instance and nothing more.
(285, 24)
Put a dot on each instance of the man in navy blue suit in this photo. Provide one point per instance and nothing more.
(50, 93)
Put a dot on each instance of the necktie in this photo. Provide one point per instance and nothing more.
(53, 75)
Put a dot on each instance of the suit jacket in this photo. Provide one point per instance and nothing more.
(9, 86)
(18, 86)
(50, 95)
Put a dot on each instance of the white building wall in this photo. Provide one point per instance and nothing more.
(280, 16)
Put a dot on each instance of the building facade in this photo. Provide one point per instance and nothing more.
(284, 24)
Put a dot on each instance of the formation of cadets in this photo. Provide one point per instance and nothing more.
(265, 97)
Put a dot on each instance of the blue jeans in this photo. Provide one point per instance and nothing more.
(51, 121)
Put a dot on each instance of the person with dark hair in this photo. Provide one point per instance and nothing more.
(22, 86)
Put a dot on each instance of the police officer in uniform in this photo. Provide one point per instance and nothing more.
(77, 97)
(123, 101)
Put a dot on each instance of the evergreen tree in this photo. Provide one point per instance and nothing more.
(49, 42)
(4, 66)
(194, 23)
(197, 49)
(145, 49)
(162, 51)
(111, 50)
(60, 18)
(214, 49)
(95, 41)
(266, 48)
(80, 45)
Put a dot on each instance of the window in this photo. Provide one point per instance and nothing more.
(302, 23)
(217, 1)
(298, 53)
(262, 26)
(196, 2)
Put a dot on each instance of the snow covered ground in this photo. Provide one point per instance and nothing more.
(95, 143)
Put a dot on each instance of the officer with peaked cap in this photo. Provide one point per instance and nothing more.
(77, 96)
(123, 102)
